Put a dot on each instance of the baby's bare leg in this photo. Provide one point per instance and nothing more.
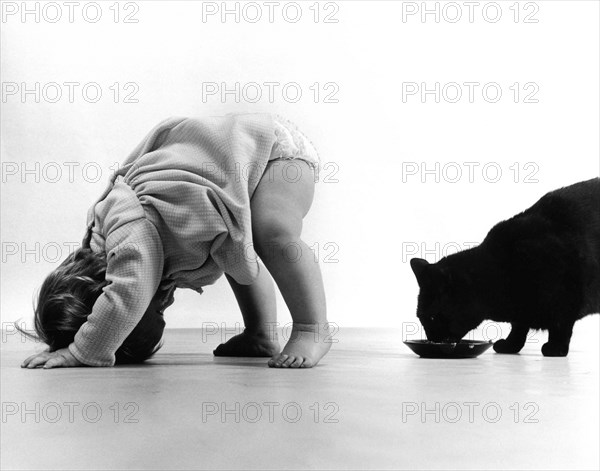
(259, 310)
(278, 206)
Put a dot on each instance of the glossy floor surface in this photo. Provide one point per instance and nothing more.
(371, 403)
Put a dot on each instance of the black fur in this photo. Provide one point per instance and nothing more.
(537, 270)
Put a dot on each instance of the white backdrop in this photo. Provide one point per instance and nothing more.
(378, 135)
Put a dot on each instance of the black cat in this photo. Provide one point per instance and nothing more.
(537, 270)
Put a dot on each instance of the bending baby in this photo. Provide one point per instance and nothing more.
(196, 199)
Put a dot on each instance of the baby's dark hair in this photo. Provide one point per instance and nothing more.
(66, 299)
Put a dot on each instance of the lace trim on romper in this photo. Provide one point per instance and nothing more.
(293, 144)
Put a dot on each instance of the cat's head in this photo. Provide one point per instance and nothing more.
(447, 308)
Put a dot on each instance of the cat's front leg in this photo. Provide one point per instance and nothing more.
(559, 338)
(515, 340)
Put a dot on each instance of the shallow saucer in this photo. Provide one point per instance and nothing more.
(462, 349)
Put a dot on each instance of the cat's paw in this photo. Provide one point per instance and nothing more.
(504, 346)
(554, 350)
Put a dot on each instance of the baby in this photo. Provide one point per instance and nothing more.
(197, 198)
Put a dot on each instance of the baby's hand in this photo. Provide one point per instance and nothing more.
(59, 358)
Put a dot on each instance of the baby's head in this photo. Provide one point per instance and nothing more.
(66, 299)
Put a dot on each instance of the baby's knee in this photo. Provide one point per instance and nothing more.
(273, 234)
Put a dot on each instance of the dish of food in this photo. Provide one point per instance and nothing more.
(462, 349)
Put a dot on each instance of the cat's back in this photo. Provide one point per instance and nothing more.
(577, 204)
(585, 194)
(571, 212)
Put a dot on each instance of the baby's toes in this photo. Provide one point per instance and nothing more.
(288, 361)
(277, 362)
(297, 362)
(307, 363)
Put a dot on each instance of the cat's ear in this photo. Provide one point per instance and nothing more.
(418, 266)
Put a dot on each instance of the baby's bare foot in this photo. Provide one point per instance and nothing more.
(307, 345)
(249, 344)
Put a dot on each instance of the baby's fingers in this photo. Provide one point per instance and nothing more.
(27, 360)
(56, 362)
(38, 360)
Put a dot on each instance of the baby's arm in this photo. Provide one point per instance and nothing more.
(134, 267)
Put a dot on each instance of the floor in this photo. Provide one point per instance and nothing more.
(370, 404)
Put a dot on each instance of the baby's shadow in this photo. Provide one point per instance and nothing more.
(207, 359)
(260, 362)
(174, 359)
